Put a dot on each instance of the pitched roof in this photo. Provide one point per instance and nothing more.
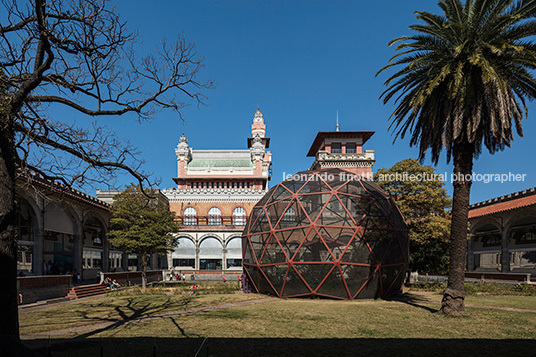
(504, 203)
(336, 135)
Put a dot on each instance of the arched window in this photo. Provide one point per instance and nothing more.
(234, 253)
(214, 216)
(190, 216)
(210, 254)
(239, 216)
(184, 253)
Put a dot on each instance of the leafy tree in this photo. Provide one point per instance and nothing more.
(464, 80)
(419, 194)
(75, 57)
(142, 225)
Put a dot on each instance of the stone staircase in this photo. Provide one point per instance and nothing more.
(85, 290)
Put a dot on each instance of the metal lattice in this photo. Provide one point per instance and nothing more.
(326, 233)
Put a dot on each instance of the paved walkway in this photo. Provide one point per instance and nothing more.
(108, 325)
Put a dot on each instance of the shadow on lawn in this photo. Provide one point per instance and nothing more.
(283, 347)
(414, 300)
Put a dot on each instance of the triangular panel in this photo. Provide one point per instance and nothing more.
(357, 276)
(334, 285)
(273, 253)
(313, 274)
(294, 285)
(276, 275)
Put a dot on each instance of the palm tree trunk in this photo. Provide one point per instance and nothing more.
(454, 294)
(9, 318)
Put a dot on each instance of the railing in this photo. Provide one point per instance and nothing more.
(216, 221)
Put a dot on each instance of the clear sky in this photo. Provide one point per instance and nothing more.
(300, 62)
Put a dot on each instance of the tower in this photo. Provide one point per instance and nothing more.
(343, 149)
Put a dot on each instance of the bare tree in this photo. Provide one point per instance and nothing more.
(76, 56)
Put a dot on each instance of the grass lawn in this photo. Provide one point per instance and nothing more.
(312, 327)
(127, 304)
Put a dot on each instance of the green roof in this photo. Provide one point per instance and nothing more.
(220, 163)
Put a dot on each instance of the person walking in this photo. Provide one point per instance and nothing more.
(194, 288)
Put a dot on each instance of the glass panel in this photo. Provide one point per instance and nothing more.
(210, 248)
(210, 264)
(214, 216)
(190, 216)
(239, 216)
(234, 263)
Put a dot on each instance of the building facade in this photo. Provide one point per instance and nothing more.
(344, 150)
(61, 230)
(503, 234)
(214, 194)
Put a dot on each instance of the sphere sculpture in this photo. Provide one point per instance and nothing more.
(325, 233)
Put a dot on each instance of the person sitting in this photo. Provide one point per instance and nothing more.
(115, 285)
(107, 282)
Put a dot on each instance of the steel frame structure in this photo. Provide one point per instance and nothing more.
(326, 233)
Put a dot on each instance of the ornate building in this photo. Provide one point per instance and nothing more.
(216, 190)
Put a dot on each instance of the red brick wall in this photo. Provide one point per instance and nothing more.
(32, 282)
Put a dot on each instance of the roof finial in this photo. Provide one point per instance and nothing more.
(337, 120)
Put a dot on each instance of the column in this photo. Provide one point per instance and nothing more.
(38, 261)
(505, 251)
(105, 254)
(77, 254)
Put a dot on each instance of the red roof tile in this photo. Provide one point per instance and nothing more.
(502, 206)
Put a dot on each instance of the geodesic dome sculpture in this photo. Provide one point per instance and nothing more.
(325, 233)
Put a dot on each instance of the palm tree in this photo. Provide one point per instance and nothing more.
(464, 81)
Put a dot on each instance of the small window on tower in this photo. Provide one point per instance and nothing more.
(336, 148)
(350, 148)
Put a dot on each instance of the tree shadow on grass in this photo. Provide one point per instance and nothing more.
(131, 313)
(287, 347)
(415, 301)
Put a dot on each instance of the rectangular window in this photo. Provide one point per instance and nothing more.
(210, 264)
(336, 148)
(184, 263)
(350, 148)
(234, 263)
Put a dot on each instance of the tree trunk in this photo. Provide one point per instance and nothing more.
(9, 318)
(143, 271)
(454, 294)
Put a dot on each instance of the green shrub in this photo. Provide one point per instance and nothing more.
(482, 288)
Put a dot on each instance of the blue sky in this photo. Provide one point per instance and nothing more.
(300, 61)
